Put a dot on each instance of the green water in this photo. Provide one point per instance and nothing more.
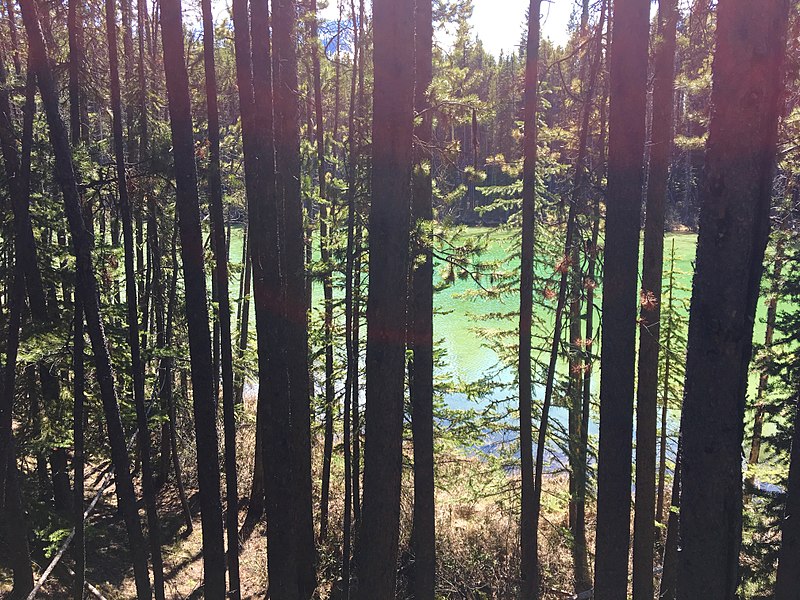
(460, 324)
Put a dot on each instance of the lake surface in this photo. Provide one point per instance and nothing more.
(461, 326)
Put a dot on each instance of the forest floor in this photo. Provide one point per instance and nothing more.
(108, 564)
(476, 532)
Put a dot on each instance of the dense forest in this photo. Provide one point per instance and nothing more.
(323, 299)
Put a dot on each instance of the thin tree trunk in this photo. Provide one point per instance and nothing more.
(541, 440)
(628, 87)
(529, 578)
(12, 32)
(644, 530)
(219, 247)
(787, 583)
(669, 575)
(357, 296)
(16, 531)
(349, 398)
(327, 282)
(78, 459)
(167, 399)
(87, 288)
(137, 367)
(423, 533)
(662, 458)
(734, 227)
(763, 380)
(392, 133)
(196, 307)
(74, 27)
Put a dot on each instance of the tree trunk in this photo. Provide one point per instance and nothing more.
(137, 367)
(763, 380)
(294, 325)
(734, 227)
(662, 456)
(350, 398)
(12, 32)
(669, 576)
(327, 281)
(74, 28)
(392, 132)
(167, 397)
(196, 307)
(219, 247)
(420, 336)
(78, 459)
(628, 88)
(529, 579)
(87, 288)
(644, 531)
(16, 531)
(787, 583)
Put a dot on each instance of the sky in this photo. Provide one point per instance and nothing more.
(499, 23)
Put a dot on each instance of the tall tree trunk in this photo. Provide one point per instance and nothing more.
(644, 530)
(219, 247)
(87, 288)
(78, 459)
(423, 533)
(255, 75)
(131, 301)
(357, 296)
(15, 528)
(294, 325)
(528, 535)
(392, 132)
(787, 583)
(350, 398)
(352, 268)
(204, 400)
(327, 281)
(628, 88)
(541, 440)
(734, 227)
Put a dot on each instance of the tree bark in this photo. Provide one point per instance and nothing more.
(392, 132)
(220, 274)
(294, 317)
(196, 307)
(734, 227)
(529, 579)
(628, 89)
(423, 534)
(644, 531)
